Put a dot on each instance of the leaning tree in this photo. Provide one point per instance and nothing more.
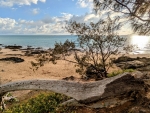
(97, 41)
(137, 12)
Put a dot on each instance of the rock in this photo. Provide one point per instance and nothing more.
(141, 64)
(33, 52)
(13, 47)
(69, 78)
(72, 102)
(138, 74)
(38, 52)
(130, 64)
(13, 59)
(123, 59)
(2, 70)
(139, 109)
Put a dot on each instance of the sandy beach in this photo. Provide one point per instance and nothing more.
(10, 71)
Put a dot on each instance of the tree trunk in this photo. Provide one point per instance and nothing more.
(82, 92)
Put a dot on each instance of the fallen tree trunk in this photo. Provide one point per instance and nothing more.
(82, 92)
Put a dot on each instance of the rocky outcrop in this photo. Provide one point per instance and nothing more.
(141, 64)
(13, 47)
(34, 52)
(121, 87)
(12, 59)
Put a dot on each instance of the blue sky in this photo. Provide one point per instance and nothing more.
(43, 16)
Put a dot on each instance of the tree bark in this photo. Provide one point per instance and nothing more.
(83, 92)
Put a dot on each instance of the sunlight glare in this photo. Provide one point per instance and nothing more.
(140, 41)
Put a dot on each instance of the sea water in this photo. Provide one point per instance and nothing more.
(44, 41)
(48, 41)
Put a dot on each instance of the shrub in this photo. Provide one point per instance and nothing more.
(114, 73)
(43, 103)
(99, 42)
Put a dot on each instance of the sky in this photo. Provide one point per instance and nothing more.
(44, 17)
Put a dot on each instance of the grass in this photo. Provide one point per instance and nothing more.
(114, 73)
(49, 102)
(43, 103)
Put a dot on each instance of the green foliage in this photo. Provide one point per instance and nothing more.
(60, 51)
(63, 48)
(115, 73)
(98, 41)
(135, 11)
(43, 103)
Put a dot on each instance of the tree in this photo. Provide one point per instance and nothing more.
(98, 41)
(137, 11)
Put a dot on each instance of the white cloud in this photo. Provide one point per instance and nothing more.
(85, 3)
(48, 25)
(35, 11)
(47, 20)
(10, 3)
(63, 18)
(7, 25)
(87, 18)
(91, 17)
(66, 16)
(82, 3)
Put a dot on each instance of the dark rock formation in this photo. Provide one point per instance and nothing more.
(69, 78)
(123, 59)
(34, 52)
(13, 59)
(141, 64)
(13, 47)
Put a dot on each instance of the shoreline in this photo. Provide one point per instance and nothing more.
(10, 71)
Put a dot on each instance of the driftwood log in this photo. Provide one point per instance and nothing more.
(90, 92)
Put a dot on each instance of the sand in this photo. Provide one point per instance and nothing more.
(10, 71)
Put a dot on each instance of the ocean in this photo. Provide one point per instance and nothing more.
(44, 41)
(48, 41)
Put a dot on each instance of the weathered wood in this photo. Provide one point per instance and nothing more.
(82, 92)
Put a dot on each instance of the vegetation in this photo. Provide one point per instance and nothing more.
(114, 73)
(136, 11)
(47, 103)
(43, 103)
(98, 41)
